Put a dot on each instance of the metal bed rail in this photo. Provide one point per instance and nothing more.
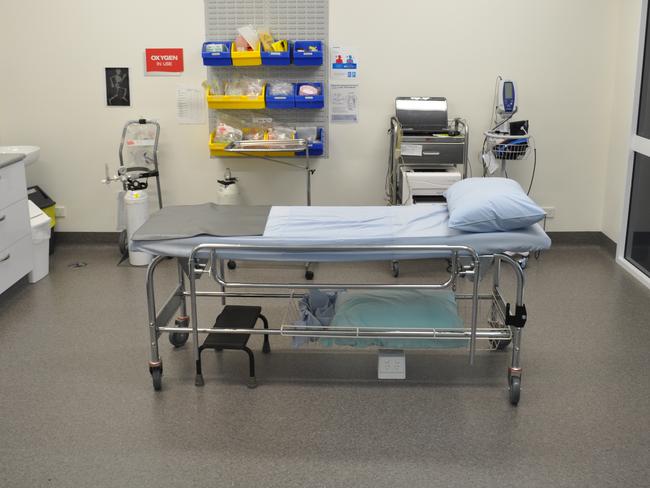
(505, 327)
(217, 269)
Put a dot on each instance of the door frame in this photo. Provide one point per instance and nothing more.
(637, 144)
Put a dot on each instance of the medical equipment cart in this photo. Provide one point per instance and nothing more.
(426, 149)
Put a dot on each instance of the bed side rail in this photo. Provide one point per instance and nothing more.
(218, 253)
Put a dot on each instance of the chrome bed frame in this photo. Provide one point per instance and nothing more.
(504, 328)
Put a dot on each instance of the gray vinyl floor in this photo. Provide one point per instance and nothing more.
(77, 406)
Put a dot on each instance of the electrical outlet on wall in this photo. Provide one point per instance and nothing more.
(59, 211)
(550, 212)
(391, 364)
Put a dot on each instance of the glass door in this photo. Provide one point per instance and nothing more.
(634, 248)
(637, 238)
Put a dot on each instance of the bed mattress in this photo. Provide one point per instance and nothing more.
(350, 226)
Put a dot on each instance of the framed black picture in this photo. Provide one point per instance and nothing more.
(118, 92)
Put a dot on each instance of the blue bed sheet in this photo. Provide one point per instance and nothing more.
(356, 226)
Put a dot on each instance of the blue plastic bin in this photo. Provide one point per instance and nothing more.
(217, 59)
(280, 101)
(277, 58)
(312, 101)
(316, 147)
(307, 58)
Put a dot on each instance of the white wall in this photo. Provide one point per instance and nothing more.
(628, 21)
(561, 54)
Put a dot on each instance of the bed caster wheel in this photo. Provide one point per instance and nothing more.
(156, 377)
(500, 345)
(123, 243)
(515, 389)
(178, 339)
(394, 266)
(309, 275)
(232, 264)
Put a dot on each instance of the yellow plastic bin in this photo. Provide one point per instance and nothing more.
(235, 102)
(48, 206)
(246, 58)
(218, 149)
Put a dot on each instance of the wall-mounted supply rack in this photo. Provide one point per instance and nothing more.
(304, 24)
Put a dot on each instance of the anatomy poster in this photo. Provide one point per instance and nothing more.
(118, 93)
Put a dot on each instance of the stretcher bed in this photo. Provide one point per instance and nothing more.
(203, 237)
(313, 227)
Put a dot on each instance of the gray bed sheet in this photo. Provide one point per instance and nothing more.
(181, 221)
(430, 220)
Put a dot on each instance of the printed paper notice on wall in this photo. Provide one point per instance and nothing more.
(345, 66)
(344, 103)
(163, 61)
(190, 105)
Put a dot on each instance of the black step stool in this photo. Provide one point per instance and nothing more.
(235, 317)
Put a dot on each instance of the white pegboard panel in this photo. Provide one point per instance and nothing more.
(286, 19)
(291, 19)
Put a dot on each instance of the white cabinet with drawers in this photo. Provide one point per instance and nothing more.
(15, 231)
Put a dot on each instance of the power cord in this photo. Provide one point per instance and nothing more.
(532, 177)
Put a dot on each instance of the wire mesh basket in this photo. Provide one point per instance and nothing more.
(490, 318)
(508, 148)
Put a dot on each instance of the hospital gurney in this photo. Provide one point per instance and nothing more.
(335, 234)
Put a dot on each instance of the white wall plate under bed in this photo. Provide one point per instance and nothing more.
(391, 364)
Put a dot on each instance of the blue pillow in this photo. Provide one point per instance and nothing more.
(490, 205)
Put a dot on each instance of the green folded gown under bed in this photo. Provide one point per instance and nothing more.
(396, 309)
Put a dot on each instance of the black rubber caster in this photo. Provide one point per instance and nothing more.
(515, 389)
(156, 377)
(178, 339)
(123, 243)
(500, 345)
(394, 266)
(309, 275)
(232, 264)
